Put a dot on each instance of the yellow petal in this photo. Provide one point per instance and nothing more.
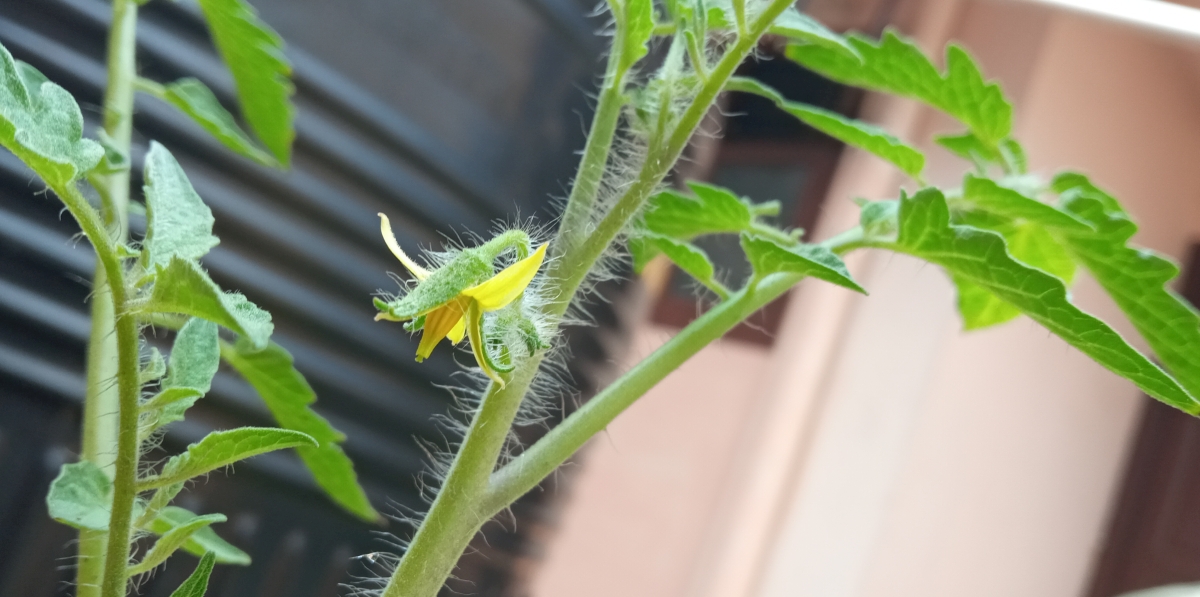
(385, 227)
(475, 331)
(504, 287)
(438, 324)
(458, 331)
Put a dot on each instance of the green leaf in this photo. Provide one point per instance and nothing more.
(802, 28)
(171, 541)
(287, 394)
(197, 101)
(197, 583)
(769, 257)
(223, 448)
(847, 130)
(254, 54)
(41, 123)
(896, 65)
(638, 23)
(689, 258)
(980, 256)
(990, 196)
(155, 368)
(183, 287)
(178, 223)
(195, 357)
(203, 541)
(1031, 244)
(968, 147)
(712, 210)
(1136, 278)
(642, 249)
(81, 496)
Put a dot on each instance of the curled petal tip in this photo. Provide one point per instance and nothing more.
(385, 228)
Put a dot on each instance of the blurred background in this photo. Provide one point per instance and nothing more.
(838, 446)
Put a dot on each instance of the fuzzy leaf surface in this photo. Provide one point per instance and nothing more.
(1137, 279)
(178, 223)
(769, 257)
(896, 65)
(184, 287)
(688, 257)
(254, 54)
(41, 123)
(639, 28)
(203, 541)
(981, 257)
(195, 357)
(711, 210)
(223, 448)
(799, 27)
(288, 396)
(81, 496)
(197, 582)
(171, 541)
(197, 101)
(1028, 242)
(852, 132)
(990, 196)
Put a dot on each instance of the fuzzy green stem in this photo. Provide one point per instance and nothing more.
(573, 268)
(592, 166)
(101, 422)
(456, 515)
(534, 464)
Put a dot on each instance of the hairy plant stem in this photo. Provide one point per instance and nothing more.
(101, 421)
(578, 211)
(459, 509)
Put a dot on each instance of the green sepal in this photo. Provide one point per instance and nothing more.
(851, 132)
(1137, 279)
(254, 54)
(41, 123)
(197, 582)
(289, 397)
(223, 448)
(980, 256)
(467, 268)
(184, 287)
(768, 256)
(178, 223)
(197, 101)
(896, 65)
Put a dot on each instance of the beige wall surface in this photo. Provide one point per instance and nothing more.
(878, 451)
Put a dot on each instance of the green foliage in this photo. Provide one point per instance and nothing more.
(197, 583)
(197, 101)
(711, 210)
(1134, 277)
(184, 287)
(194, 361)
(635, 19)
(688, 257)
(804, 29)
(847, 130)
(223, 448)
(896, 65)
(41, 123)
(988, 195)
(178, 223)
(202, 541)
(768, 256)
(288, 396)
(979, 256)
(254, 54)
(172, 540)
(81, 496)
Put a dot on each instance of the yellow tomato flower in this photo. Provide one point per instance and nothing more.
(453, 298)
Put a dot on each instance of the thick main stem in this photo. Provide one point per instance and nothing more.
(101, 421)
